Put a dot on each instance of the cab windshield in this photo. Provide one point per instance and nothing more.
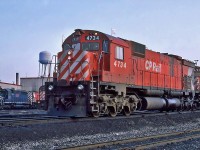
(87, 46)
(66, 47)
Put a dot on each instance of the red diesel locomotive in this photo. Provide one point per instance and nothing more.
(98, 74)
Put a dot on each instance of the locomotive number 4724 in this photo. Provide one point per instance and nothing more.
(120, 64)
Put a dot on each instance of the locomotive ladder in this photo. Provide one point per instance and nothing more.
(93, 95)
(93, 89)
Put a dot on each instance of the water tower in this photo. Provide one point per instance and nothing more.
(45, 60)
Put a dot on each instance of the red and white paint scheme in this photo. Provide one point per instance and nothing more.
(99, 74)
(74, 64)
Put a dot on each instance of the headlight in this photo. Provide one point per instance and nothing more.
(80, 87)
(50, 87)
(69, 57)
(69, 52)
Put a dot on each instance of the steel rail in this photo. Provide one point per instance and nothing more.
(43, 119)
(139, 139)
(165, 142)
(32, 120)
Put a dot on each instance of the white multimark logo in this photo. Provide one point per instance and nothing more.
(149, 65)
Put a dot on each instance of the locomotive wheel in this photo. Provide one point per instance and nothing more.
(139, 105)
(198, 106)
(95, 111)
(189, 107)
(194, 106)
(126, 111)
(112, 111)
(182, 107)
(95, 114)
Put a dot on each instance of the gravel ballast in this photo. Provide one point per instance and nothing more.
(61, 135)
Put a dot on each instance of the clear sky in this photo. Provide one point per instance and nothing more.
(28, 27)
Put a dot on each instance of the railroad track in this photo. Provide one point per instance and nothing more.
(142, 143)
(29, 119)
(6, 121)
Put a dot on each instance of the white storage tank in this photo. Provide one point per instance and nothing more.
(45, 57)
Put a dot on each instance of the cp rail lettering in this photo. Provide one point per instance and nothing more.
(149, 65)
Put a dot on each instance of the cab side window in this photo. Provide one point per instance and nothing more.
(119, 53)
(105, 46)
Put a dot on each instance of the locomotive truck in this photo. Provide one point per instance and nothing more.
(98, 74)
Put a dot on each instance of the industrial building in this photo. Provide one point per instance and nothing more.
(10, 86)
(15, 86)
(33, 83)
(26, 83)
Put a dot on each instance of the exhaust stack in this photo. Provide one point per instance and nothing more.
(17, 78)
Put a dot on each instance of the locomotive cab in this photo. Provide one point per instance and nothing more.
(82, 55)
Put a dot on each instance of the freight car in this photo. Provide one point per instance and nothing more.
(11, 98)
(98, 74)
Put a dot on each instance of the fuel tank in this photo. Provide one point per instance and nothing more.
(153, 103)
